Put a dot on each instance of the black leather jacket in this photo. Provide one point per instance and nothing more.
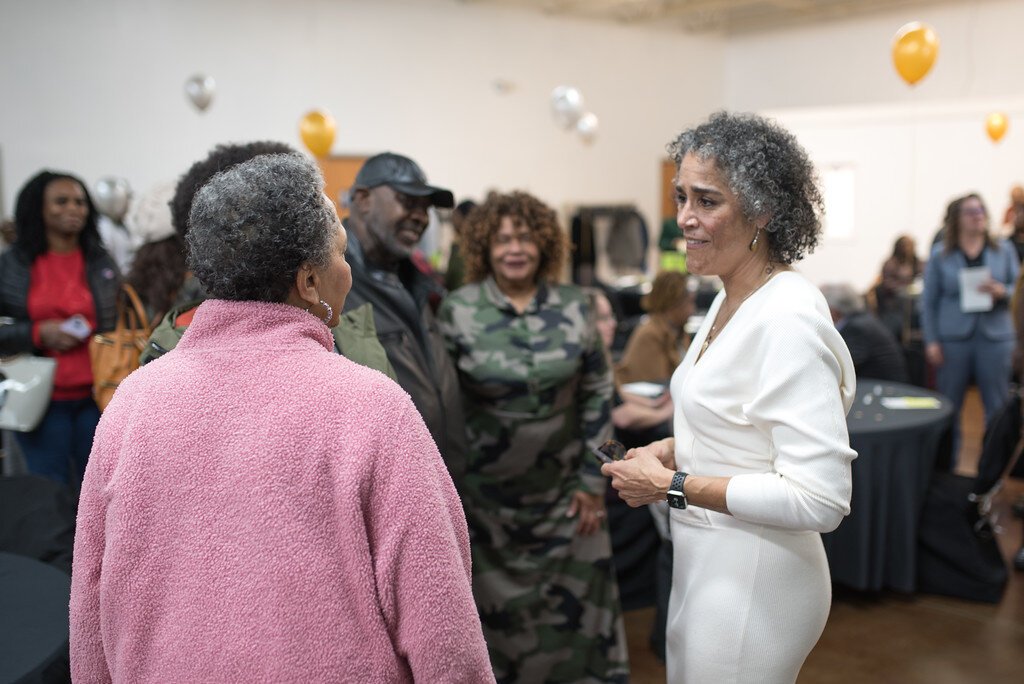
(15, 275)
(407, 329)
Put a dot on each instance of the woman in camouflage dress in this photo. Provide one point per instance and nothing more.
(536, 390)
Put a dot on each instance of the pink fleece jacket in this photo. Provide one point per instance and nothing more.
(259, 509)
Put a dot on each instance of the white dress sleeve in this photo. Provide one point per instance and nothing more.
(804, 384)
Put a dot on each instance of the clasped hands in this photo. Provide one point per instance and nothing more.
(52, 336)
(645, 474)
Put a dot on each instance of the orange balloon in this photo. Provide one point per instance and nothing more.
(317, 130)
(914, 50)
(995, 125)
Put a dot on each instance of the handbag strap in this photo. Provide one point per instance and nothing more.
(126, 316)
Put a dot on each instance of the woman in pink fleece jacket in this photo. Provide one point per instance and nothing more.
(257, 507)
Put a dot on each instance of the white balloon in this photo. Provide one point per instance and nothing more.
(567, 106)
(587, 127)
(200, 90)
(111, 197)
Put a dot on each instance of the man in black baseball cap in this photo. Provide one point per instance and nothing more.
(403, 175)
(390, 201)
(389, 206)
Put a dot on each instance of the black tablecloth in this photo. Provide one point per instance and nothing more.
(33, 617)
(875, 547)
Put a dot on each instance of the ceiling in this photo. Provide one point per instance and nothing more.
(705, 16)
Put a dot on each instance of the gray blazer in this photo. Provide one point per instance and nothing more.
(941, 318)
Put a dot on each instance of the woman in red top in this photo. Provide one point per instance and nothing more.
(58, 286)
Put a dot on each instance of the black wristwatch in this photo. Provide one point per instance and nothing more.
(676, 495)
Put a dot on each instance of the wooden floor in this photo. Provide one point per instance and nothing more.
(905, 639)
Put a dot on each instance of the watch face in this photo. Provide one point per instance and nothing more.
(676, 493)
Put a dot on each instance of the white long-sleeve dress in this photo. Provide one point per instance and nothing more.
(766, 405)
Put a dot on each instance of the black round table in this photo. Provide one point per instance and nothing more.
(33, 617)
(875, 547)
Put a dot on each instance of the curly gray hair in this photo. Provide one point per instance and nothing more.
(253, 225)
(770, 173)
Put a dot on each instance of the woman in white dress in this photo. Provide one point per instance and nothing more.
(760, 461)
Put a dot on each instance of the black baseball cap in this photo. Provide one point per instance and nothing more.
(404, 175)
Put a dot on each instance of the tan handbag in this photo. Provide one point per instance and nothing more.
(115, 354)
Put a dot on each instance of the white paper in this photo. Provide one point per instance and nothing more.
(644, 389)
(77, 326)
(911, 403)
(971, 298)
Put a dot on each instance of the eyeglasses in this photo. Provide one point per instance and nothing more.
(610, 451)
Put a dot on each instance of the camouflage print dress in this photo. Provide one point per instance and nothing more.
(536, 390)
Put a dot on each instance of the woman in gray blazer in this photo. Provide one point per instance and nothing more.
(964, 344)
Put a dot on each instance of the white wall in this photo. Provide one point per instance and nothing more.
(913, 149)
(849, 62)
(908, 163)
(97, 88)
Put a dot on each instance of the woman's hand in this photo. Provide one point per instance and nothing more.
(52, 337)
(933, 353)
(590, 508)
(994, 288)
(631, 415)
(664, 450)
(642, 477)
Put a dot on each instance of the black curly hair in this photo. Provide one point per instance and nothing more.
(157, 272)
(28, 216)
(220, 158)
(770, 173)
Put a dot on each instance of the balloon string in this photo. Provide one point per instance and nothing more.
(3, 211)
(914, 117)
(972, 23)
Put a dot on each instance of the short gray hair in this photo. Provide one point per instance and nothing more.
(770, 173)
(253, 225)
(841, 297)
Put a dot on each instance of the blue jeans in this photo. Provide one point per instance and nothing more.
(59, 447)
(985, 362)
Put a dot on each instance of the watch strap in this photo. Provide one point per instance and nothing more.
(676, 492)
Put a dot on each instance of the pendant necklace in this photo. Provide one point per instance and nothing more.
(769, 272)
